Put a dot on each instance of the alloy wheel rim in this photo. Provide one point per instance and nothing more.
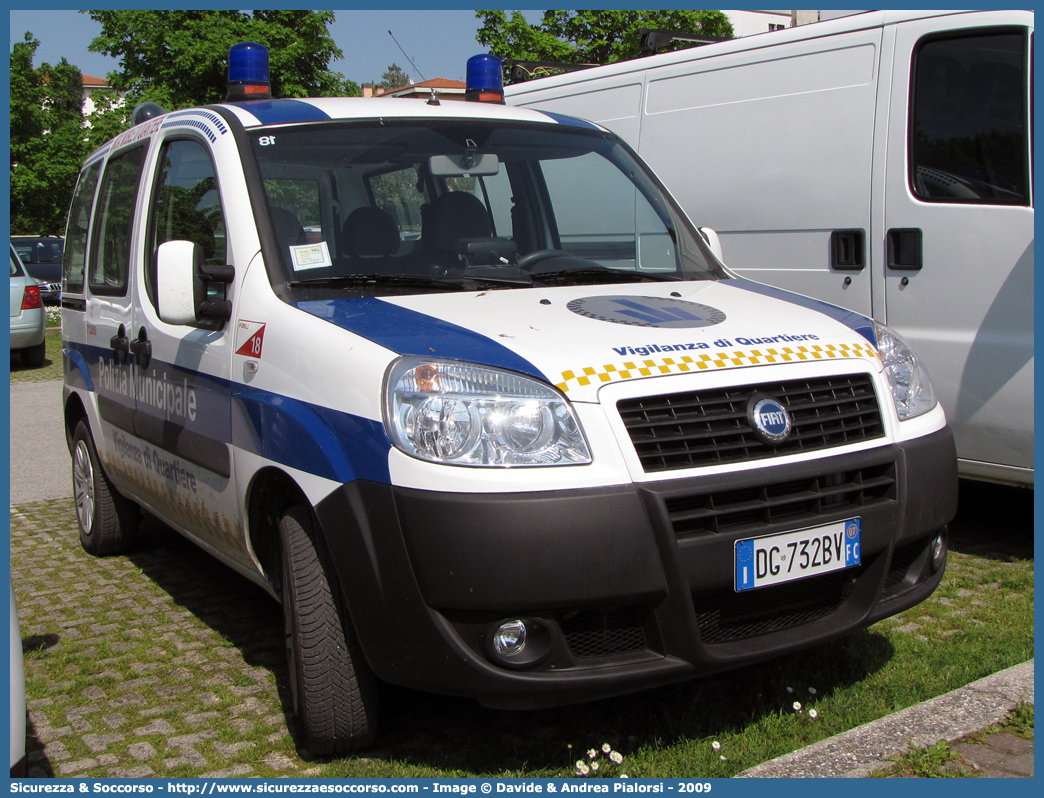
(83, 487)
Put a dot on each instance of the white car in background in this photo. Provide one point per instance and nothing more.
(27, 315)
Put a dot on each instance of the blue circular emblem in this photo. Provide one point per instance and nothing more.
(647, 311)
(769, 419)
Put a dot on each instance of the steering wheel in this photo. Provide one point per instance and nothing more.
(530, 259)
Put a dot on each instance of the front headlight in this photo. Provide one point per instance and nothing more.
(907, 378)
(461, 414)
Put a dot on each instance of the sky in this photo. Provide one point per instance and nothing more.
(439, 41)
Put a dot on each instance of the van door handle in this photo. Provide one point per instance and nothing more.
(848, 250)
(118, 342)
(141, 348)
(905, 249)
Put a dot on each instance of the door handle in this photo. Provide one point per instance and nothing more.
(848, 251)
(141, 348)
(119, 345)
(905, 249)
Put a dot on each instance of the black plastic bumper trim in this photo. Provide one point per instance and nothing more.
(422, 568)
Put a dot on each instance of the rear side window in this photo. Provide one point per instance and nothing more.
(969, 131)
(75, 261)
(111, 245)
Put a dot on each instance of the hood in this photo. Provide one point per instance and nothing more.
(581, 337)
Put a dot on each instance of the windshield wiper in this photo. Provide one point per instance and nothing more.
(615, 275)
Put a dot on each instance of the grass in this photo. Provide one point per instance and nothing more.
(52, 366)
(168, 634)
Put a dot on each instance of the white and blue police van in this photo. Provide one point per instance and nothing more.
(462, 387)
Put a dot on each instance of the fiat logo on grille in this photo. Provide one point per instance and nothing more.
(769, 419)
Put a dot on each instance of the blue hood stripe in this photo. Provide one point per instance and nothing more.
(854, 321)
(280, 112)
(408, 332)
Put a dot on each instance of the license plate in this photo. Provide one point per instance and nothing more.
(774, 559)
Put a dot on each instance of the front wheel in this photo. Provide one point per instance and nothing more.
(108, 522)
(334, 691)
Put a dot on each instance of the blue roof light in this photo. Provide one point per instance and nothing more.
(485, 82)
(248, 72)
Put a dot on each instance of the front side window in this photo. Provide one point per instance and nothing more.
(186, 205)
(461, 204)
(969, 138)
(111, 246)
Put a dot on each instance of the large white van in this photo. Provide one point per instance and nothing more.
(464, 389)
(880, 162)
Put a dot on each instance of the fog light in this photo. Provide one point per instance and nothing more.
(938, 551)
(510, 638)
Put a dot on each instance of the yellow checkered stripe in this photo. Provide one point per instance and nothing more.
(636, 369)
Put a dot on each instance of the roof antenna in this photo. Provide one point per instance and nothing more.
(432, 100)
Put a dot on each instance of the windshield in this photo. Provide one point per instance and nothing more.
(412, 206)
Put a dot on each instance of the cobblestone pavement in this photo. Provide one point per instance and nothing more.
(999, 756)
(149, 660)
(166, 663)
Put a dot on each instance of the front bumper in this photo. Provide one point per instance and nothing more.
(629, 587)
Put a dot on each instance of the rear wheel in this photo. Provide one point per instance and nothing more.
(33, 356)
(108, 522)
(334, 691)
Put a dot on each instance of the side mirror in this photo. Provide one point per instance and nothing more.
(190, 291)
(713, 242)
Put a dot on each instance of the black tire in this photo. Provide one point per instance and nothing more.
(334, 691)
(108, 522)
(33, 356)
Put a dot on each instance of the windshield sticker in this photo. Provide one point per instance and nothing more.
(636, 369)
(647, 311)
(310, 256)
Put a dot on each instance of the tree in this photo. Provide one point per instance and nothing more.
(48, 141)
(180, 58)
(589, 37)
(394, 78)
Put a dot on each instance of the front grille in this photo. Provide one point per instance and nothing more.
(600, 633)
(726, 616)
(798, 502)
(710, 427)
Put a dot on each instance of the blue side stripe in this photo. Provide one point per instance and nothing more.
(408, 332)
(80, 374)
(317, 440)
(854, 321)
(279, 112)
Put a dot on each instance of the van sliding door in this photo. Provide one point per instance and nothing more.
(957, 228)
